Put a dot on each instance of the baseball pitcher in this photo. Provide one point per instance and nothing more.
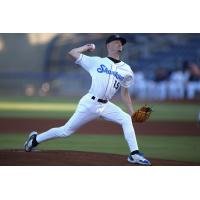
(108, 74)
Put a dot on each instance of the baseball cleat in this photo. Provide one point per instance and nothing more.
(28, 146)
(138, 158)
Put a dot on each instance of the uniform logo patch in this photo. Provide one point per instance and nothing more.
(104, 69)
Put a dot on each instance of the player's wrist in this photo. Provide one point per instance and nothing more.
(85, 48)
(89, 47)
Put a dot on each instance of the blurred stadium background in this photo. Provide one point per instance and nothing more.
(166, 66)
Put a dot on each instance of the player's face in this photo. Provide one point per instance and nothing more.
(115, 46)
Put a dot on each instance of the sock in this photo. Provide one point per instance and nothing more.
(135, 152)
(34, 142)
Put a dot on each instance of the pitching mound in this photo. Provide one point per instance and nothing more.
(73, 158)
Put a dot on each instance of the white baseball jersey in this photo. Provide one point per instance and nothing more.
(107, 76)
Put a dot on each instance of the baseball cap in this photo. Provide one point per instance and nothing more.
(116, 37)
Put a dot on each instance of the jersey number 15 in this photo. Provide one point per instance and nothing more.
(116, 85)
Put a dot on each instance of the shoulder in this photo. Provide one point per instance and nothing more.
(93, 58)
(85, 58)
(125, 66)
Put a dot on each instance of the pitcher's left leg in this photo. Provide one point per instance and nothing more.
(113, 113)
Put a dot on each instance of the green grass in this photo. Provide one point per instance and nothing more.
(36, 114)
(181, 148)
(63, 107)
(37, 109)
(38, 99)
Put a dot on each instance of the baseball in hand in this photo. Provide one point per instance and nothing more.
(92, 47)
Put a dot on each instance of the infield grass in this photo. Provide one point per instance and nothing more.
(180, 148)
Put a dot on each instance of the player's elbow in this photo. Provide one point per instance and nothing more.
(74, 54)
(71, 52)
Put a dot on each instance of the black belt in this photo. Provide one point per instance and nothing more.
(99, 100)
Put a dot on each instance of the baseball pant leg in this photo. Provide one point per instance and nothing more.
(79, 118)
(115, 114)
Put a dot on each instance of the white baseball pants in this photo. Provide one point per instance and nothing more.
(88, 110)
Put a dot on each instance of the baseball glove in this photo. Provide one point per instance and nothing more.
(142, 114)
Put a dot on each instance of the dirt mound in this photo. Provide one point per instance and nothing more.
(73, 158)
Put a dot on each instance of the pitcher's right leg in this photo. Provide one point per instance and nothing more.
(75, 122)
(79, 118)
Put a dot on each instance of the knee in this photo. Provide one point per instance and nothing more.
(65, 131)
(127, 119)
